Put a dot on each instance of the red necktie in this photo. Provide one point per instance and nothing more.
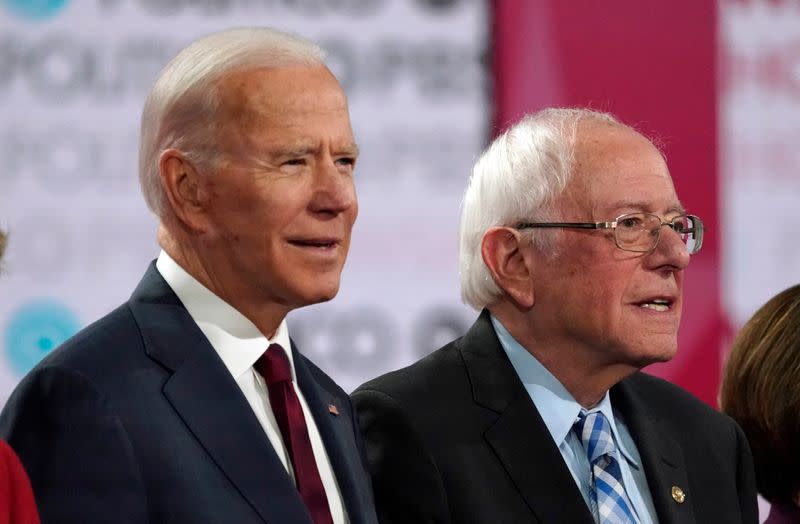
(274, 367)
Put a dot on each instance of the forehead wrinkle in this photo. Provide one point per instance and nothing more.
(250, 99)
(621, 156)
(264, 113)
(597, 142)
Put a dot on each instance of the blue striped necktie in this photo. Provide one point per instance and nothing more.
(613, 506)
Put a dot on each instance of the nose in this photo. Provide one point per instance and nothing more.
(671, 252)
(334, 190)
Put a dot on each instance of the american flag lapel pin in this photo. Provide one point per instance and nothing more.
(333, 410)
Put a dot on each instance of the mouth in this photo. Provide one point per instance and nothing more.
(660, 304)
(323, 243)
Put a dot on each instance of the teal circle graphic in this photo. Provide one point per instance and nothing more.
(34, 9)
(34, 330)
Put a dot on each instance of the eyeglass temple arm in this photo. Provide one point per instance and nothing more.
(572, 225)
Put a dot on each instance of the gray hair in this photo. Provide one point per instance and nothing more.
(516, 179)
(181, 108)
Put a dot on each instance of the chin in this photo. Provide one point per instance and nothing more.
(326, 297)
(322, 295)
(649, 350)
(657, 356)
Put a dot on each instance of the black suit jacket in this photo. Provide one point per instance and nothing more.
(136, 419)
(456, 438)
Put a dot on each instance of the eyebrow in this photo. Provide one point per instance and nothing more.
(352, 149)
(640, 205)
(304, 149)
(299, 150)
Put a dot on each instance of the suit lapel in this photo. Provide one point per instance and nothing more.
(208, 400)
(519, 436)
(661, 454)
(336, 432)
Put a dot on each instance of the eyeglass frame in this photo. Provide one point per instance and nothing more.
(697, 231)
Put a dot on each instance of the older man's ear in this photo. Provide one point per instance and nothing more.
(510, 265)
(183, 190)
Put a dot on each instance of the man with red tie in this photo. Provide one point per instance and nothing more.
(190, 403)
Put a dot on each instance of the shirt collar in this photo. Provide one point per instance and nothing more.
(605, 407)
(236, 339)
(558, 408)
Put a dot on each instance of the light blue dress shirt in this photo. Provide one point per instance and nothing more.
(560, 410)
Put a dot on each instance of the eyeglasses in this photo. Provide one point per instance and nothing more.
(638, 232)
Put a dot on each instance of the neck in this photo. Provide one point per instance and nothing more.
(576, 369)
(265, 316)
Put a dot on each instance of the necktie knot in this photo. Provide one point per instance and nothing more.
(273, 365)
(595, 433)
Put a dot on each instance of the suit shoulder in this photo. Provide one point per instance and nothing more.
(85, 365)
(98, 346)
(432, 374)
(672, 401)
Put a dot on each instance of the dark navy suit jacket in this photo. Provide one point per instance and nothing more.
(136, 419)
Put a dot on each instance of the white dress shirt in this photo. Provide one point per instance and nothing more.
(239, 344)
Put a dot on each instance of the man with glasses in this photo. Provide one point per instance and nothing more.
(573, 243)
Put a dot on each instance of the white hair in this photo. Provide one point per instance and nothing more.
(180, 111)
(515, 180)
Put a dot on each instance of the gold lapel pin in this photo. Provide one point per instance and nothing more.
(678, 495)
(333, 410)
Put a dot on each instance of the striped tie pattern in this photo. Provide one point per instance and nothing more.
(613, 506)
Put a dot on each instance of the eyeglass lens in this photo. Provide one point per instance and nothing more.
(641, 231)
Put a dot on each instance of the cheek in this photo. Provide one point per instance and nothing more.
(238, 211)
(271, 214)
(607, 295)
(354, 209)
